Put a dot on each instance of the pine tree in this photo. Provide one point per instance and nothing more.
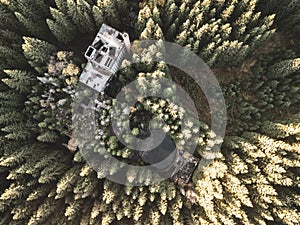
(198, 23)
(48, 136)
(112, 12)
(80, 13)
(144, 14)
(8, 16)
(151, 31)
(12, 59)
(19, 80)
(253, 180)
(61, 27)
(284, 68)
(287, 14)
(37, 52)
(284, 129)
(19, 131)
(171, 8)
(33, 17)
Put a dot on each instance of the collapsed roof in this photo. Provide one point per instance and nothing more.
(104, 56)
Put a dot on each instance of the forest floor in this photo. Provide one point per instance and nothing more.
(228, 75)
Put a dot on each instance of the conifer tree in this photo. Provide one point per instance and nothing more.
(112, 12)
(33, 17)
(19, 80)
(284, 68)
(37, 52)
(8, 37)
(61, 27)
(12, 59)
(282, 129)
(255, 178)
(80, 13)
(238, 25)
(7, 15)
(287, 11)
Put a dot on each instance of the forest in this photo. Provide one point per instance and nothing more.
(252, 48)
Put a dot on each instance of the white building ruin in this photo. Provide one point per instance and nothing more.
(104, 56)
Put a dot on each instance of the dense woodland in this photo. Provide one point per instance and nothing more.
(252, 47)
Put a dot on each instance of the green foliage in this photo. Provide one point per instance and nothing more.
(10, 58)
(287, 11)
(19, 80)
(61, 27)
(284, 68)
(45, 179)
(37, 52)
(10, 38)
(8, 16)
(81, 14)
(112, 12)
(50, 103)
(283, 129)
(20, 131)
(48, 136)
(222, 33)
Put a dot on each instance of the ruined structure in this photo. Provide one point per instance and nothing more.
(104, 56)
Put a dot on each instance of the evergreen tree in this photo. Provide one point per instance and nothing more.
(19, 80)
(80, 13)
(45, 179)
(284, 68)
(10, 58)
(61, 27)
(37, 52)
(111, 12)
(8, 16)
(282, 129)
(32, 17)
(241, 28)
(287, 11)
